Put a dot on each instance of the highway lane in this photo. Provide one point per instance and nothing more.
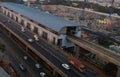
(56, 62)
(12, 57)
(37, 44)
(15, 54)
(42, 43)
(30, 36)
(51, 58)
(18, 28)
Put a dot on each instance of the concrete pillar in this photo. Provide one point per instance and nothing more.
(26, 49)
(54, 72)
(118, 72)
(77, 49)
(9, 34)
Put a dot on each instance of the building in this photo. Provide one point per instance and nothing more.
(115, 48)
(52, 28)
(29, 0)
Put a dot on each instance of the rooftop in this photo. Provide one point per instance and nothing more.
(46, 19)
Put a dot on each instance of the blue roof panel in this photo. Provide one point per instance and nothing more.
(54, 22)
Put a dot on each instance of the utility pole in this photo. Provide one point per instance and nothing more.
(111, 9)
(82, 16)
(110, 17)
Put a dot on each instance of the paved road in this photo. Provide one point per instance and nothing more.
(15, 54)
(9, 53)
(50, 53)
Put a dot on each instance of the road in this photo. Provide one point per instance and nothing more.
(56, 58)
(15, 54)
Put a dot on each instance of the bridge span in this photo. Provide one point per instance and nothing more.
(100, 51)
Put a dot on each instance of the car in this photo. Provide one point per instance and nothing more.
(21, 67)
(25, 57)
(22, 29)
(36, 37)
(42, 74)
(8, 20)
(37, 65)
(30, 40)
(66, 66)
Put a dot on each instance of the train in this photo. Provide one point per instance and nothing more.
(77, 64)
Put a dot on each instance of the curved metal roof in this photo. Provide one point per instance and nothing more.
(54, 22)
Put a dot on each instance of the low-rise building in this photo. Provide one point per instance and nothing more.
(52, 28)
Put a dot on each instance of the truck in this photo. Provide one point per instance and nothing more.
(77, 64)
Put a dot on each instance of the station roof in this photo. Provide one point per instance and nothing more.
(54, 22)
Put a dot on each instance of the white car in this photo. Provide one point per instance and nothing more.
(36, 37)
(30, 40)
(22, 29)
(37, 66)
(42, 74)
(66, 66)
(25, 57)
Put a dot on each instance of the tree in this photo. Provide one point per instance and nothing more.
(110, 69)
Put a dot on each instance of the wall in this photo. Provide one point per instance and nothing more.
(78, 34)
(65, 42)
